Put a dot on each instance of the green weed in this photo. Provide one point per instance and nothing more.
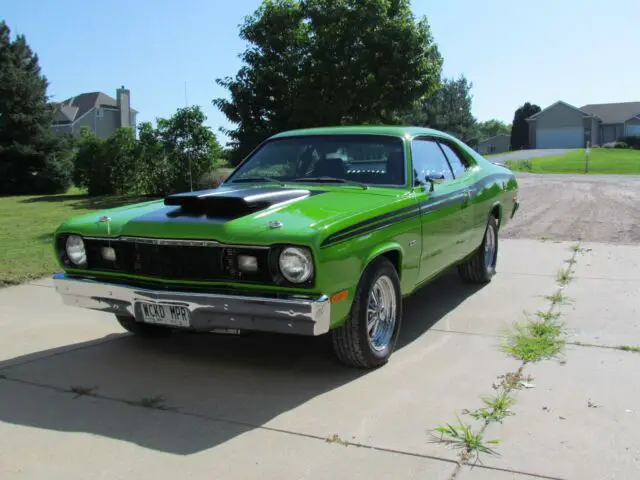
(150, 402)
(81, 391)
(496, 408)
(629, 348)
(469, 444)
(558, 298)
(335, 438)
(564, 276)
(534, 341)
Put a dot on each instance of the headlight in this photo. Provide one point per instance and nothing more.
(296, 264)
(74, 247)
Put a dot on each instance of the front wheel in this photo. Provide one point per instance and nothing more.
(481, 267)
(369, 335)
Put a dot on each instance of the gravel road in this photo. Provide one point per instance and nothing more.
(597, 208)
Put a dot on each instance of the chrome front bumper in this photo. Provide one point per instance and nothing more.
(300, 315)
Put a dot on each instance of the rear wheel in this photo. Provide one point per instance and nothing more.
(481, 267)
(368, 337)
(143, 330)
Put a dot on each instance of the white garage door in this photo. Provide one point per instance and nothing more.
(633, 131)
(566, 137)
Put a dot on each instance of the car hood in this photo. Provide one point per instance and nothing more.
(247, 214)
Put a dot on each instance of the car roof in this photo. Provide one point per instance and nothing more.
(393, 130)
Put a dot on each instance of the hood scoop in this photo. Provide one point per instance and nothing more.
(233, 202)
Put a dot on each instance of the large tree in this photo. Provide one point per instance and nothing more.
(32, 158)
(520, 126)
(190, 146)
(327, 62)
(447, 109)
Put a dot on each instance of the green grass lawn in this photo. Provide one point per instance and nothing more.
(602, 161)
(26, 229)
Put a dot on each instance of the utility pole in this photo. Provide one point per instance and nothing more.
(586, 162)
(186, 104)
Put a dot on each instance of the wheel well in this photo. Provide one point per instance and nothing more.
(497, 212)
(394, 257)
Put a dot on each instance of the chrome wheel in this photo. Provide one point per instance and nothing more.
(490, 247)
(381, 313)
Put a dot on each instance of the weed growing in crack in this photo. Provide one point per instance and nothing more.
(629, 348)
(150, 402)
(81, 391)
(496, 409)
(624, 348)
(535, 340)
(335, 438)
(512, 381)
(577, 249)
(564, 276)
(558, 298)
(548, 316)
(469, 444)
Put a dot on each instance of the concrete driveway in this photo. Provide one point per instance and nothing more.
(528, 154)
(80, 399)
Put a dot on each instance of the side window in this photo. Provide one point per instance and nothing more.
(428, 159)
(457, 164)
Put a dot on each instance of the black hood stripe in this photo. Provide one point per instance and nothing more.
(216, 206)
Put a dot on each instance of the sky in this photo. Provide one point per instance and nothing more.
(578, 51)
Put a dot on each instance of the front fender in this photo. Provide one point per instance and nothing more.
(383, 249)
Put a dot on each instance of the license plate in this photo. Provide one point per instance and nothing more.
(173, 315)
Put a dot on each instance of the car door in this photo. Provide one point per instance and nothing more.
(442, 207)
(465, 178)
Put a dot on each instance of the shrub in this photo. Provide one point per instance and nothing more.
(632, 142)
(620, 145)
(214, 178)
(56, 176)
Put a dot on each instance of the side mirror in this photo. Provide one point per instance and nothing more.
(434, 178)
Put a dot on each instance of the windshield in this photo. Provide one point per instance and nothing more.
(365, 159)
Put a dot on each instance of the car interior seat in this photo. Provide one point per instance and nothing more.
(329, 167)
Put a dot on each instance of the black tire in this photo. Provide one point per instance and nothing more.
(476, 269)
(351, 341)
(143, 330)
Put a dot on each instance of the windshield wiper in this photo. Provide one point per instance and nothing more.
(258, 179)
(328, 180)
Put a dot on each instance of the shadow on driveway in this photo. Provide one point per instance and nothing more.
(248, 380)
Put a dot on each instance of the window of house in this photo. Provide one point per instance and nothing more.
(99, 113)
(458, 165)
(428, 159)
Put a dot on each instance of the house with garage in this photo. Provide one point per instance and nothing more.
(496, 144)
(562, 125)
(102, 113)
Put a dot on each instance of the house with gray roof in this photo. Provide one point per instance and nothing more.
(496, 144)
(562, 125)
(100, 112)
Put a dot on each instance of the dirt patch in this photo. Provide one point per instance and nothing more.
(593, 208)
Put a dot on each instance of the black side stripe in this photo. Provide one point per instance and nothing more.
(406, 213)
(333, 239)
(361, 227)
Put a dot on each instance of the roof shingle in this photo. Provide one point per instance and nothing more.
(613, 112)
(73, 108)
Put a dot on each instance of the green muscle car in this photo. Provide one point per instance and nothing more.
(318, 231)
